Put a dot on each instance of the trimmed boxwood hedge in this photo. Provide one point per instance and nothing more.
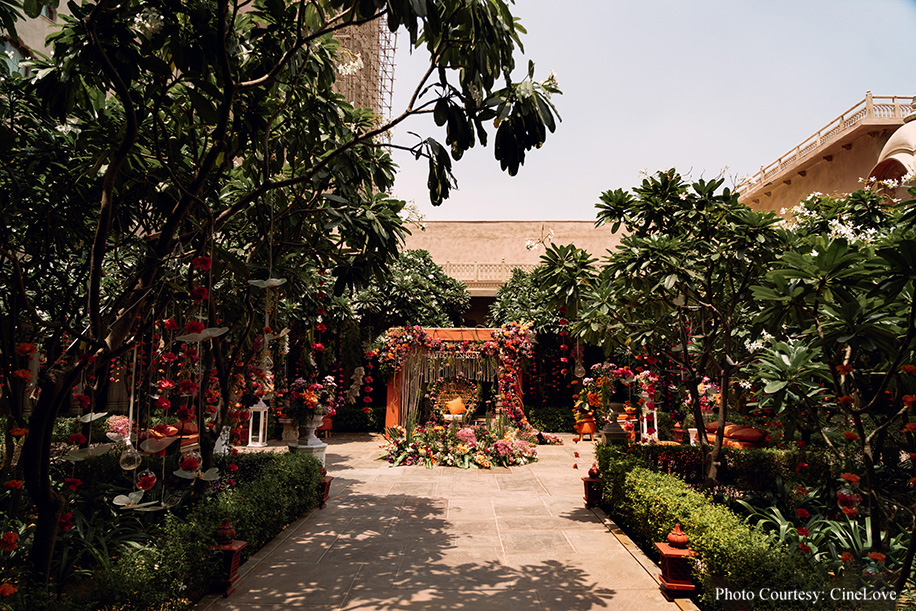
(180, 565)
(551, 419)
(731, 553)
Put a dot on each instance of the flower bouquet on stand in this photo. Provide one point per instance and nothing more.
(309, 403)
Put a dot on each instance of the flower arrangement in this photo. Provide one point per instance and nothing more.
(396, 343)
(445, 389)
(307, 400)
(473, 447)
(606, 383)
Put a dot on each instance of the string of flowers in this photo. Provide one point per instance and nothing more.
(396, 343)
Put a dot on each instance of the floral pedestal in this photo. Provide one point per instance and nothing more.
(308, 442)
(290, 434)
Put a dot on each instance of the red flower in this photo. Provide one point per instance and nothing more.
(846, 558)
(320, 327)
(877, 557)
(83, 400)
(170, 324)
(801, 444)
(850, 436)
(801, 491)
(72, 483)
(909, 400)
(233, 467)
(184, 414)
(908, 369)
(849, 477)
(168, 357)
(9, 541)
(318, 347)
(575, 465)
(804, 548)
(844, 369)
(18, 432)
(202, 263)
(845, 400)
(188, 387)
(851, 511)
(802, 513)
(576, 454)
(145, 482)
(367, 379)
(163, 403)
(803, 532)
(13, 484)
(200, 293)
(194, 326)
(165, 384)
(23, 374)
(320, 312)
(25, 349)
(66, 521)
(7, 589)
(802, 466)
(189, 463)
(76, 439)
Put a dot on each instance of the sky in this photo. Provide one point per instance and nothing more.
(710, 87)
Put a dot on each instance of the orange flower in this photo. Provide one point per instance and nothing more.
(9, 541)
(909, 400)
(846, 558)
(850, 512)
(844, 369)
(18, 432)
(845, 400)
(850, 435)
(22, 374)
(877, 556)
(7, 590)
(908, 369)
(25, 349)
(909, 427)
(849, 477)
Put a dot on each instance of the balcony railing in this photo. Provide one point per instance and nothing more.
(484, 275)
(873, 107)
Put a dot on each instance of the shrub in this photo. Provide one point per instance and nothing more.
(352, 419)
(551, 419)
(730, 552)
(178, 564)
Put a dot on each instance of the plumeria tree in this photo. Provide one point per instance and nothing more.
(414, 290)
(679, 284)
(841, 353)
(179, 161)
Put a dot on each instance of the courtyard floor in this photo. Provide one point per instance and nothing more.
(417, 539)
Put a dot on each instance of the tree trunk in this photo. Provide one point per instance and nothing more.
(36, 462)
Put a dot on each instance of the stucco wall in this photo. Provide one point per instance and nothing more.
(495, 241)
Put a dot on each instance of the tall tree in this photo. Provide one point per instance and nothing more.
(171, 152)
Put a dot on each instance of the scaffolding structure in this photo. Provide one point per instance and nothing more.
(366, 66)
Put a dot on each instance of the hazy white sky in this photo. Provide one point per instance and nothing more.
(702, 86)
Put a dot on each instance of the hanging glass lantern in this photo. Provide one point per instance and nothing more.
(130, 458)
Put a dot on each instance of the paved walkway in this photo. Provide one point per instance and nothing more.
(416, 539)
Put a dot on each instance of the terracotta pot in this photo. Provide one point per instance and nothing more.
(586, 426)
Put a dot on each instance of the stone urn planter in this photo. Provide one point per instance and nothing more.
(290, 434)
(612, 431)
(308, 442)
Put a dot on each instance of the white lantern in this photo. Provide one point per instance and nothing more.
(257, 421)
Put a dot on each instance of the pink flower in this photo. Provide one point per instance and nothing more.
(165, 384)
(318, 347)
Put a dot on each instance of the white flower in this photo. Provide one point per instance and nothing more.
(147, 24)
(351, 67)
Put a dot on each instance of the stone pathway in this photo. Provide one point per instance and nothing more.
(410, 538)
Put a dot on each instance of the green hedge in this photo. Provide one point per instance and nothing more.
(732, 554)
(180, 564)
(551, 419)
(760, 470)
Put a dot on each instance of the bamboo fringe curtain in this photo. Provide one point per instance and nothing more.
(422, 367)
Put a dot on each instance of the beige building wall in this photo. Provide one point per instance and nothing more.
(833, 161)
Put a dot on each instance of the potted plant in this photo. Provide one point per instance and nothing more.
(309, 403)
